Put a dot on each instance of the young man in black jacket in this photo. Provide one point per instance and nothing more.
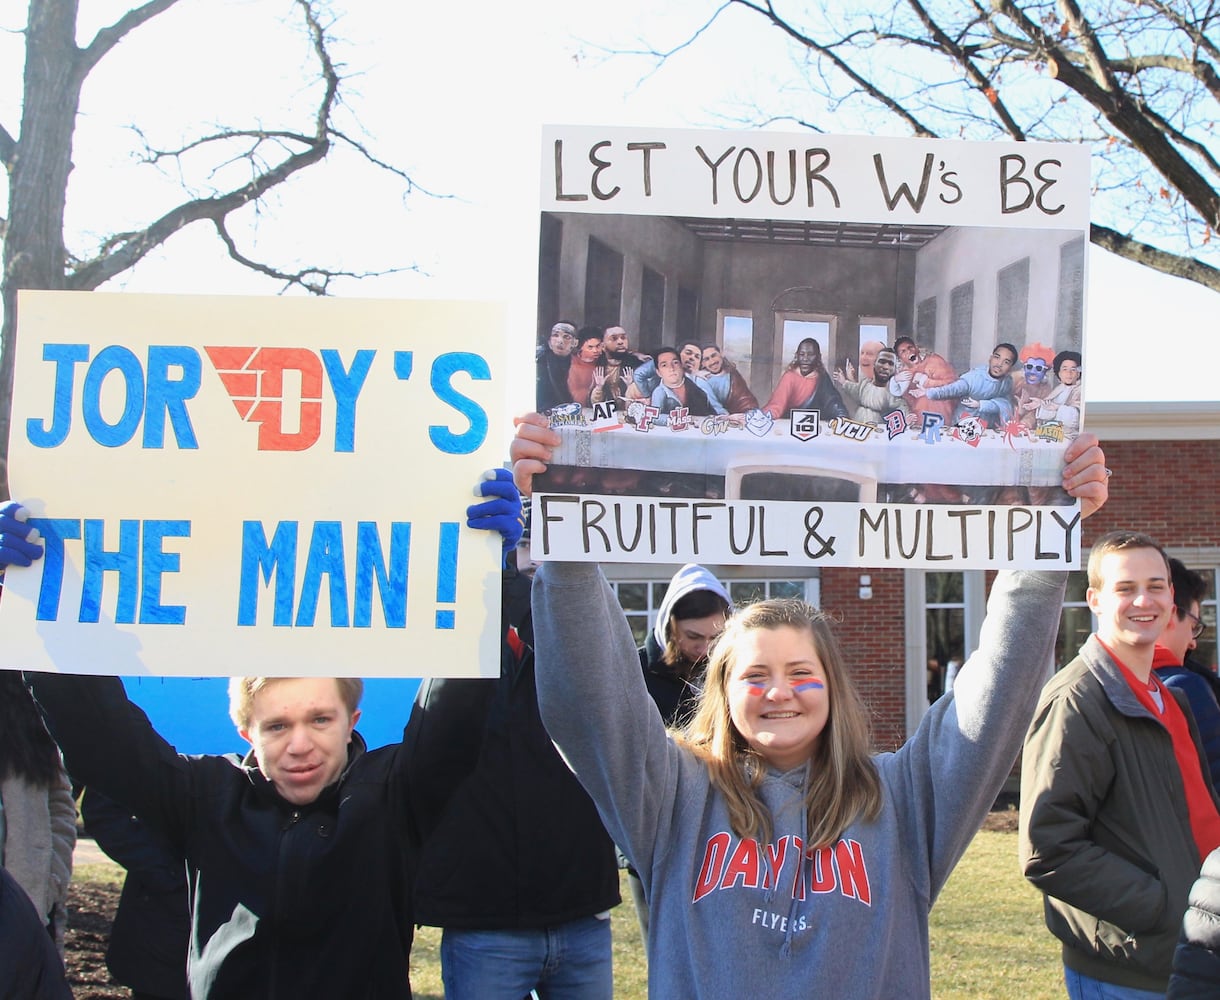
(300, 856)
(1117, 811)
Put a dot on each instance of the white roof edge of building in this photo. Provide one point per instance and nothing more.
(1188, 420)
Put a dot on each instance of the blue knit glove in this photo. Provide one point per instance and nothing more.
(502, 512)
(16, 549)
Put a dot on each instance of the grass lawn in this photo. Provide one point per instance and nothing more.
(988, 939)
(630, 969)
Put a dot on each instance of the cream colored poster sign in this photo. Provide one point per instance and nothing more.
(812, 350)
(267, 486)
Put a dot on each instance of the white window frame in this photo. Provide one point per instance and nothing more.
(974, 606)
(618, 575)
(890, 324)
(784, 353)
(743, 361)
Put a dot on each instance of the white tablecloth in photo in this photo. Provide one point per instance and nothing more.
(994, 461)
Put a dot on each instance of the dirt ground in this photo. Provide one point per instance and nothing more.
(90, 912)
(1001, 821)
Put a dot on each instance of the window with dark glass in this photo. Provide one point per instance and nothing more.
(603, 285)
(961, 325)
(1012, 302)
(652, 309)
(945, 615)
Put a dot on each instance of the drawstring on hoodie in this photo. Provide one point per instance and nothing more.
(772, 873)
(801, 857)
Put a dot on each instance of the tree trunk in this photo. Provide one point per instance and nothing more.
(38, 184)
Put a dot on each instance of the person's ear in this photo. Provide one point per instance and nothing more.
(1091, 599)
(355, 718)
(245, 735)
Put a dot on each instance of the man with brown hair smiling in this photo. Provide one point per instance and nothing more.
(1116, 809)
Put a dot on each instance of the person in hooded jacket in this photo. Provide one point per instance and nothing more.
(673, 658)
(691, 615)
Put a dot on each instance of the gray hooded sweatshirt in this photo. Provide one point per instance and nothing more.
(688, 579)
(732, 918)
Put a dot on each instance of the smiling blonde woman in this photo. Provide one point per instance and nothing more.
(779, 858)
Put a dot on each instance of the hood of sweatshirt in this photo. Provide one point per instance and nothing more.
(689, 578)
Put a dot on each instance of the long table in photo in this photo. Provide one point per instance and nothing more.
(735, 453)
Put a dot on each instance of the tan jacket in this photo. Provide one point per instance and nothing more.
(39, 837)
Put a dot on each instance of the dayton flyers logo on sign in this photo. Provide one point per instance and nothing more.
(254, 380)
(805, 424)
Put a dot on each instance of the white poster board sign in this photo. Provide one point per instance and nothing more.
(762, 348)
(254, 486)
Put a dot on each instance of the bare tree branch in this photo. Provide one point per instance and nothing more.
(1178, 265)
(153, 156)
(123, 254)
(131, 249)
(1095, 57)
(315, 280)
(767, 10)
(1197, 35)
(1139, 79)
(1125, 116)
(367, 155)
(107, 38)
(8, 148)
(975, 76)
(659, 58)
(1183, 139)
(1204, 72)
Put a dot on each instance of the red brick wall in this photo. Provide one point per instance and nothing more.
(1170, 490)
(873, 636)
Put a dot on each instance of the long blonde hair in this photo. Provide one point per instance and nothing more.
(843, 783)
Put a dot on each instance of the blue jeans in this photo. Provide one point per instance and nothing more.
(569, 961)
(1081, 987)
